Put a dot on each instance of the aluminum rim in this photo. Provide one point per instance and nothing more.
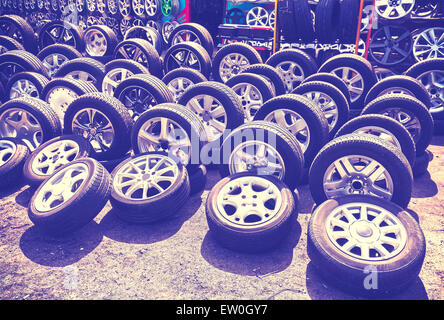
(133, 52)
(53, 156)
(380, 133)
(23, 88)
(163, 134)
(151, 7)
(23, 125)
(212, 114)
(292, 72)
(138, 7)
(434, 82)
(178, 86)
(272, 20)
(407, 119)
(357, 174)
(59, 98)
(137, 100)
(94, 126)
(394, 9)
(7, 151)
(429, 44)
(353, 80)
(294, 123)
(366, 231)
(167, 28)
(61, 187)
(185, 36)
(396, 90)
(59, 34)
(113, 78)
(95, 43)
(248, 202)
(257, 16)
(257, 157)
(145, 177)
(250, 97)
(391, 45)
(327, 105)
(53, 62)
(183, 58)
(231, 65)
(125, 7)
(81, 75)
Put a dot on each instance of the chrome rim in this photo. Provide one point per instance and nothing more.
(167, 29)
(7, 151)
(407, 119)
(163, 134)
(95, 43)
(357, 174)
(53, 156)
(294, 123)
(380, 133)
(113, 78)
(137, 100)
(434, 83)
(366, 231)
(183, 58)
(23, 125)
(248, 202)
(94, 126)
(256, 157)
(185, 36)
(82, 75)
(250, 97)
(429, 44)
(327, 105)
(178, 86)
(231, 65)
(353, 80)
(151, 8)
(53, 62)
(293, 74)
(61, 187)
(257, 16)
(59, 98)
(139, 7)
(212, 114)
(145, 177)
(23, 88)
(125, 7)
(394, 9)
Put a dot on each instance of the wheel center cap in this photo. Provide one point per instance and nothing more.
(363, 229)
(93, 131)
(206, 116)
(146, 176)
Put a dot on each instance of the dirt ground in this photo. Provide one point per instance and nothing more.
(178, 259)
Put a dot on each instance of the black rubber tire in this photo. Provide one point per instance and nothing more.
(9, 43)
(415, 87)
(154, 86)
(270, 74)
(185, 118)
(91, 66)
(157, 207)
(153, 64)
(376, 120)
(259, 82)
(332, 79)
(76, 31)
(192, 75)
(411, 105)
(388, 155)
(198, 180)
(109, 36)
(422, 163)
(205, 38)
(171, 62)
(349, 273)
(26, 36)
(326, 20)
(335, 94)
(38, 80)
(316, 122)
(2, 93)
(34, 178)
(117, 114)
(348, 20)
(252, 239)
(67, 51)
(131, 65)
(11, 172)
(246, 50)
(146, 33)
(82, 208)
(303, 20)
(286, 145)
(24, 60)
(45, 116)
(302, 59)
(362, 66)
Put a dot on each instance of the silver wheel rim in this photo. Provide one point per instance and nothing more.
(231, 65)
(429, 44)
(167, 29)
(139, 7)
(7, 151)
(81, 75)
(327, 105)
(212, 114)
(23, 88)
(151, 8)
(257, 16)
(357, 174)
(407, 119)
(294, 123)
(353, 80)
(145, 177)
(185, 36)
(396, 90)
(250, 97)
(95, 43)
(23, 125)
(94, 126)
(178, 86)
(113, 78)
(366, 231)
(53, 156)
(248, 202)
(292, 73)
(61, 187)
(53, 62)
(434, 83)
(272, 20)
(125, 7)
(394, 9)
(380, 133)
(133, 52)
(59, 98)
(163, 134)
(257, 157)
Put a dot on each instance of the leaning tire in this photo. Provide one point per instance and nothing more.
(53, 56)
(195, 57)
(178, 80)
(8, 43)
(24, 33)
(332, 79)
(103, 35)
(422, 163)
(85, 69)
(270, 74)
(29, 84)
(119, 70)
(188, 31)
(15, 61)
(13, 154)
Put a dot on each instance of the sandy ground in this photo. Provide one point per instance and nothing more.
(178, 259)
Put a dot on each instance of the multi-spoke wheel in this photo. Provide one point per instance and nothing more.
(55, 55)
(178, 80)
(192, 32)
(152, 8)
(425, 9)
(429, 44)
(188, 55)
(24, 84)
(125, 8)
(391, 45)
(257, 16)
(119, 70)
(61, 32)
(394, 9)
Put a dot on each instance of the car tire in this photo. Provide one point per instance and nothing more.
(13, 154)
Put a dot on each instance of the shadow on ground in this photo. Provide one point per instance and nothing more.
(424, 187)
